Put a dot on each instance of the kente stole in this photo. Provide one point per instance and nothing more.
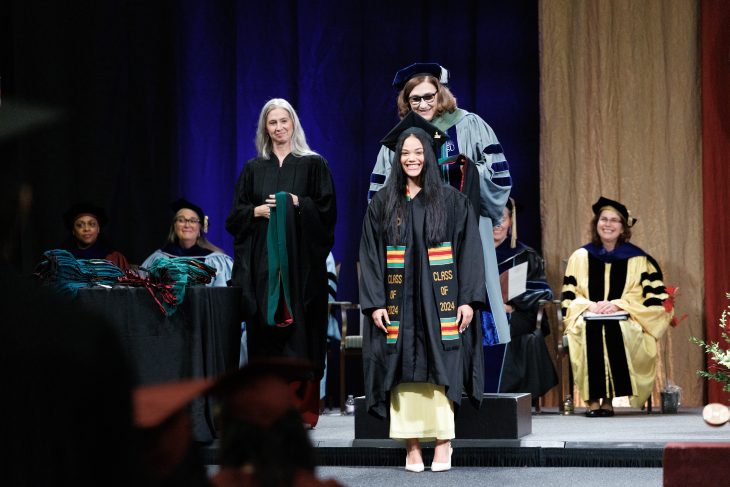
(443, 279)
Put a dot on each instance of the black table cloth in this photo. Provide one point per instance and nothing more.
(201, 339)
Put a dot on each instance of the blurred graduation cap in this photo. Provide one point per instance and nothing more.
(616, 206)
(416, 69)
(414, 123)
(260, 392)
(84, 208)
(155, 404)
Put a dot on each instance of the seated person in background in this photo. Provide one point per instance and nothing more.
(610, 276)
(186, 239)
(84, 221)
(527, 364)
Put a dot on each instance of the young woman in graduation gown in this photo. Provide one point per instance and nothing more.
(282, 222)
(422, 277)
(613, 307)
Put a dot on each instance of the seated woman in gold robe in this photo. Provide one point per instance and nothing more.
(613, 307)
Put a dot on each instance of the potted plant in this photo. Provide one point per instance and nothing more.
(718, 367)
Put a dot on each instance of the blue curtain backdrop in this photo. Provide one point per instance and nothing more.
(335, 62)
(161, 100)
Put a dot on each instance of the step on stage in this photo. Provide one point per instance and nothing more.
(505, 433)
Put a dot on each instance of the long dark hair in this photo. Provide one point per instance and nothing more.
(396, 214)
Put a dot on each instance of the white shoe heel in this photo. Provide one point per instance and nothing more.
(442, 467)
(415, 467)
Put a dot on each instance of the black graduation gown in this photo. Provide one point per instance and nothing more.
(309, 240)
(419, 353)
(527, 363)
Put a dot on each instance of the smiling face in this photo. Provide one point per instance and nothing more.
(187, 227)
(86, 230)
(609, 228)
(279, 126)
(411, 158)
(423, 99)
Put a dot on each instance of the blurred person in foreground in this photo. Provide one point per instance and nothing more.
(67, 405)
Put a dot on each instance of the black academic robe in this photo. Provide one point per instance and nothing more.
(419, 354)
(310, 235)
(527, 363)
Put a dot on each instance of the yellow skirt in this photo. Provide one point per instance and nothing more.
(421, 410)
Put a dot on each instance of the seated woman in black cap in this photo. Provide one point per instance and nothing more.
(186, 239)
(422, 277)
(613, 308)
(527, 364)
(84, 221)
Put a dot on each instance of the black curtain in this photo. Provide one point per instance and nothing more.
(161, 99)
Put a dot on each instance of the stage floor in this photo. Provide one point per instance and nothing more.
(561, 450)
(631, 438)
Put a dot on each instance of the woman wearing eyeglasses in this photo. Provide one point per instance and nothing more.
(187, 239)
(422, 88)
(613, 313)
(283, 222)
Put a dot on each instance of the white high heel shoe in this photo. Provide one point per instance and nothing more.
(442, 467)
(415, 467)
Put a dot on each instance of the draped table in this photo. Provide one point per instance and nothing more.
(201, 339)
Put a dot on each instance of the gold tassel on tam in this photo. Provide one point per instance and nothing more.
(513, 228)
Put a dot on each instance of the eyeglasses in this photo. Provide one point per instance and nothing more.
(415, 100)
(605, 220)
(182, 220)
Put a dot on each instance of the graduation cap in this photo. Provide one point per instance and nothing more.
(414, 123)
(155, 404)
(603, 203)
(84, 208)
(416, 69)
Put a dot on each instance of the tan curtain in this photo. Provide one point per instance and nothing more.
(620, 118)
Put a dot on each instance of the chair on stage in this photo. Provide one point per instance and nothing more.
(351, 344)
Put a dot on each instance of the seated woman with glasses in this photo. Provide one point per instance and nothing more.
(613, 313)
(422, 89)
(187, 239)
